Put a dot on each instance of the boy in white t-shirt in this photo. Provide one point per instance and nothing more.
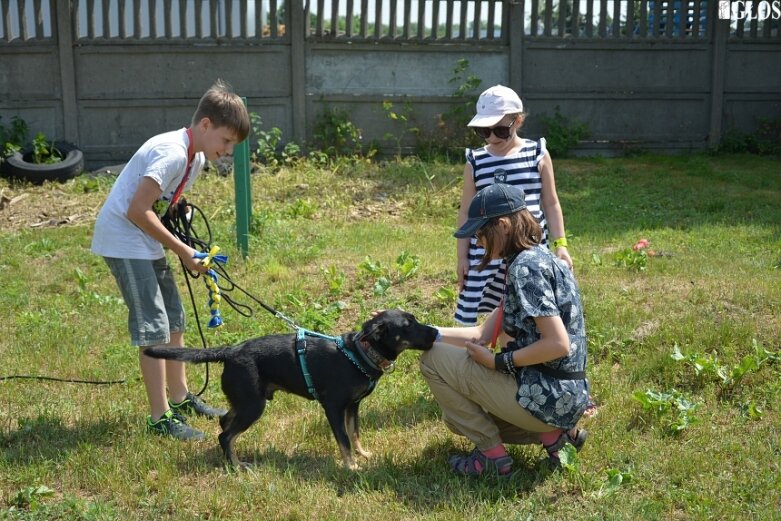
(130, 236)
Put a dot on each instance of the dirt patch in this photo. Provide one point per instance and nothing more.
(26, 207)
(645, 329)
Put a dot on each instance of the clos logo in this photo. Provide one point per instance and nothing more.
(750, 10)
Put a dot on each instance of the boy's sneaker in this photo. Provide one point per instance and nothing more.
(193, 403)
(169, 424)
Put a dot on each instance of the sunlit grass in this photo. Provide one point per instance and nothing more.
(712, 289)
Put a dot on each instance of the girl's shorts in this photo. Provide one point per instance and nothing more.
(154, 307)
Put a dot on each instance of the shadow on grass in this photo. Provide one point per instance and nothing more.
(424, 483)
(407, 413)
(427, 484)
(48, 439)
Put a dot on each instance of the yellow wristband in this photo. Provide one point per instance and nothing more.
(560, 242)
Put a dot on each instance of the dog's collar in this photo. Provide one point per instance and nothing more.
(372, 357)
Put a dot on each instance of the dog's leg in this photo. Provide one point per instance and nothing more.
(336, 415)
(238, 420)
(353, 429)
(227, 418)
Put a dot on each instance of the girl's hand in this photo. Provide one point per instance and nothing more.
(480, 354)
(563, 254)
(461, 271)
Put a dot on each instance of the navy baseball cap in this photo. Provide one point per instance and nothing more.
(492, 201)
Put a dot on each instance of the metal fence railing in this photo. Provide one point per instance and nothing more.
(159, 21)
(433, 21)
(618, 19)
(417, 20)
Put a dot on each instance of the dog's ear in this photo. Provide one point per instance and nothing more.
(373, 329)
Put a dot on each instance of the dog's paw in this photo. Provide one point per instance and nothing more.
(359, 450)
(363, 453)
(350, 464)
(239, 466)
(245, 465)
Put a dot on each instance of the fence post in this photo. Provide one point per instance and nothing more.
(515, 30)
(297, 30)
(70, 117)
(719, 37)
(243, 191)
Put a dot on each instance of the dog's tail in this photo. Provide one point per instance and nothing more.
(184, 354)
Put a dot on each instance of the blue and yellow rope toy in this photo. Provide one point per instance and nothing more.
(211, 280)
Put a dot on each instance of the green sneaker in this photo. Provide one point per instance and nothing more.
(170, 425)
(195, 404)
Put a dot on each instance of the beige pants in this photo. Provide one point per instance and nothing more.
(476, 402)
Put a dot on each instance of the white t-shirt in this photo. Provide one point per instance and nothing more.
(162, 158)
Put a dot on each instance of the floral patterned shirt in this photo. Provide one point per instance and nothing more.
(541, 285)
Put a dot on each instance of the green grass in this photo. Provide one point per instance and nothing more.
(78, 451)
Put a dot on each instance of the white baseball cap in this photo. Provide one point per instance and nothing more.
(494, 104)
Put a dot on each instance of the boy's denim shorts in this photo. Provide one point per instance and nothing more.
(154, 307)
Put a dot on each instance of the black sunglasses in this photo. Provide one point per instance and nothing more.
(501, 132)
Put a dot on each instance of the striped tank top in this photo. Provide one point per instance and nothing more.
(483, 289)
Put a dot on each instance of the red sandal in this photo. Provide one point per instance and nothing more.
(577, 441)
(476, 463)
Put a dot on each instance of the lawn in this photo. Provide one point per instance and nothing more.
(684, 350)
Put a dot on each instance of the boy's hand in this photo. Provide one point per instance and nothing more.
(191, 263)
(180, 210)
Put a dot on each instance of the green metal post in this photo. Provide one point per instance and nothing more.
(243, 193)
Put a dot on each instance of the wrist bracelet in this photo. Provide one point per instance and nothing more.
(561, 242)
(508, 361)
(504, 363)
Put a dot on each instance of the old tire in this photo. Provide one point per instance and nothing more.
(20, 165)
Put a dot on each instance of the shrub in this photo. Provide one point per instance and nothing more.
(335, 135)
(563, 134)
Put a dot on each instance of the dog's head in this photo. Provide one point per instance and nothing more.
(392, 331)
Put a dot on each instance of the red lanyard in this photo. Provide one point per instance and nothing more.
(499, 320)
(190, 157)
(500, 312)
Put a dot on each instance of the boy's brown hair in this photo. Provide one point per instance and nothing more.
(224, 108)
(525, 233)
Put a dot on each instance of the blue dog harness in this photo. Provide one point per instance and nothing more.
(301, 335)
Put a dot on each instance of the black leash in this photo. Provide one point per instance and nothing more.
(64, 380)
(177, 221)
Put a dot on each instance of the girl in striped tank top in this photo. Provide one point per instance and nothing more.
(505, 158)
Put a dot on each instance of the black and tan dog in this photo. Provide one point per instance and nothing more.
(339, 376)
